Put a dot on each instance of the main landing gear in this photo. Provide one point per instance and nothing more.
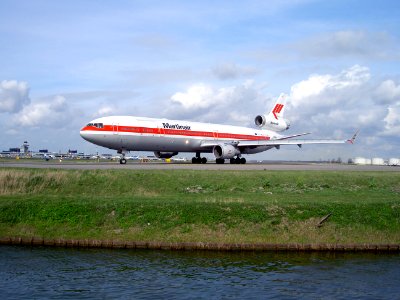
(220, 161)
(198, 159)
(238, 160)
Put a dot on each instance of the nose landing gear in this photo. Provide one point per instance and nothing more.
(122, 160)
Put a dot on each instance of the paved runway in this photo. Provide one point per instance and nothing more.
(189, 166)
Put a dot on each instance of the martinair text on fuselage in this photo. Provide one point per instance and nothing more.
(176, 126)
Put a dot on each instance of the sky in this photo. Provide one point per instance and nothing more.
(65, 63)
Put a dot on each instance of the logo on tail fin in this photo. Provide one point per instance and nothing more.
(277, 109)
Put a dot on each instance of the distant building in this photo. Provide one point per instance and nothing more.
(377, 161)
(360, 161)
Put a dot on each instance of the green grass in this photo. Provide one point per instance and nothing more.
(207, 206)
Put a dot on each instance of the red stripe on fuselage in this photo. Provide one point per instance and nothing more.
(165, 131)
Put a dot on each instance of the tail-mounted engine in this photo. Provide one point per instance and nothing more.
(271, 123)
(274, 120)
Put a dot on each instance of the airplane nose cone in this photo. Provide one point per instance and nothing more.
(83, 134)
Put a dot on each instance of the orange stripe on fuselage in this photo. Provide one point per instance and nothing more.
(165, 131)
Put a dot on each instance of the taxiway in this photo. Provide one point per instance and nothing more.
(189, 166)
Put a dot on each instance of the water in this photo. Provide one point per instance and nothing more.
(91, 273)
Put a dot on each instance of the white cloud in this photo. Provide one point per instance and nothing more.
(104, 111)
(14, 96)
(335, 105)
(369, 116)
(388, 92)
(197, 96)
(308, 92)
(204, 102)
(43, 113)
(392, 120)
(200, 96)
(239, 117)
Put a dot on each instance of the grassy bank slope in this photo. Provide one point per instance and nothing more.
(208, 206)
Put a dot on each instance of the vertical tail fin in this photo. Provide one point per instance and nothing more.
(279, 107)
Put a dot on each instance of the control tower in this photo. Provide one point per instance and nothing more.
(25, 147)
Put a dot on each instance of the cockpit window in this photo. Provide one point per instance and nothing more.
(98, 125)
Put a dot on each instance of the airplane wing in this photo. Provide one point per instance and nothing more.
(286, 140)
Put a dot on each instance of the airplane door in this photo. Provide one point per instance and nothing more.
(116, 136)
(115, 128)
(119, 140)
(160, 131)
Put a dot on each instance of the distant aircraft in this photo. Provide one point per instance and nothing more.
(166, 138)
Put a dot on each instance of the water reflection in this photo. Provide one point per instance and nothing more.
(89, 273)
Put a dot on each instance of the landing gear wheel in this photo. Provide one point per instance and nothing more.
(198, 160)
(220, 160)
(242, 160)
(122, 161)
(232, 161)
(237, 160)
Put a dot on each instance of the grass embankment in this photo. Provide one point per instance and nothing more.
(206, 206)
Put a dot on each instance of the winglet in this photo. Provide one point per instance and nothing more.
(351, 141)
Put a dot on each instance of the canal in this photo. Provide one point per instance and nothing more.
(60, 273)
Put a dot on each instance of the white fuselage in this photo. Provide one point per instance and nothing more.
(127, 133)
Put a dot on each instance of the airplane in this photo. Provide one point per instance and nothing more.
(166, 138)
